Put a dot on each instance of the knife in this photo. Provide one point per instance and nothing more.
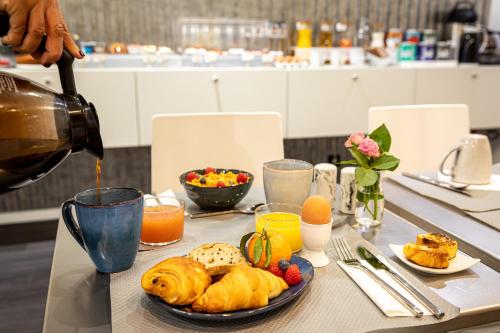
(378, 264)
(435, 183)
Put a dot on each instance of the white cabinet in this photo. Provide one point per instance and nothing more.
(488, 113)
(207, 90)
(336, 102)
(113, 95)
(450, 86)
(175, 91)
(252, 90)
(48, 77)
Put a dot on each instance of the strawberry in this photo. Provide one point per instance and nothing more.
(209, 170)
(242, 178)
(292, 275)
(221, 184)
(273, 268)
(191, 176)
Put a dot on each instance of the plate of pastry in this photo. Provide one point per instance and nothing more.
(434, 253)
(215, 282)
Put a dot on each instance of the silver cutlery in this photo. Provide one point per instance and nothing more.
(345, 254)
(378, 264)
(457, 188)
(248, 211)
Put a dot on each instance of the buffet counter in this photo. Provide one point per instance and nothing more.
(313, 102)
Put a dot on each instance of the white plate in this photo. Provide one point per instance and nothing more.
(457, 264)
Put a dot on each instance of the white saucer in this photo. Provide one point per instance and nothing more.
(459, 263)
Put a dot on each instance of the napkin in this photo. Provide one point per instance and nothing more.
(494, 184)
(385, 302)
(165, 198)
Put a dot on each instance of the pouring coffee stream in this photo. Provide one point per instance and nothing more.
(39, 128)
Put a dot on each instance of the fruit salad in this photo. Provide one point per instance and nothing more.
(216, 178)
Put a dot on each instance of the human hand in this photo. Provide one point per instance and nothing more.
(29, 20)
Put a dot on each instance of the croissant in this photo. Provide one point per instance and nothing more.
(177, 280)
(244, 287)
(439, 240)
(428, 256)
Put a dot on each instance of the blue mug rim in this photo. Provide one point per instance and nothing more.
(121, 203)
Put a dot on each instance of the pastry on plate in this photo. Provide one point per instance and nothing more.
(439, 240)
(244, 287)
(177, 280)
(218, 258)
(428, 256)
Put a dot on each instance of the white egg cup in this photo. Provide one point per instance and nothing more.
(315, 237)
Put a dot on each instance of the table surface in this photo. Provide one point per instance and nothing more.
(78, 297)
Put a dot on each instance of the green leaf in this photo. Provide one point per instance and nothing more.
(257, 250)
(386, 162)
(243, 243)
(359, 157)
(382, 137)
(348, 162)
(365, 197)
(365, 177)
(268, 252)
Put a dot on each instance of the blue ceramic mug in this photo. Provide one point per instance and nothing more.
(109, 227)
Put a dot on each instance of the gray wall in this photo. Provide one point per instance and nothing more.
(154, 21)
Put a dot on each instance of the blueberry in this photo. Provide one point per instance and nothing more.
(203, 180)
(283, 264)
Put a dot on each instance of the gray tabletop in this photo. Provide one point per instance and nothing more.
(78, 297)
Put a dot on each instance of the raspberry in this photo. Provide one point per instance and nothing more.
(242, 178)
(209, 170)
(221, 184)
(284, 264)
(191, 176)
(292, 275)
(273, 268)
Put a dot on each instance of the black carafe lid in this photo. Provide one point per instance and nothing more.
(463, 12)
(84, 122)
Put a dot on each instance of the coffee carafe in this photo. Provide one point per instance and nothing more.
(39, 127)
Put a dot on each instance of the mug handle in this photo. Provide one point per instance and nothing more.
(441, 166)
(70, 222)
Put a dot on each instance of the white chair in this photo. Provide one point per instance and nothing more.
(183, 142)
(421, 134)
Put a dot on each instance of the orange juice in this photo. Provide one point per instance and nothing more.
(287, 224)
(162, 224)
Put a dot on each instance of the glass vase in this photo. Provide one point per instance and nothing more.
(370, 205)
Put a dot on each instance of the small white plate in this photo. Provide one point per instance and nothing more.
(459, 263)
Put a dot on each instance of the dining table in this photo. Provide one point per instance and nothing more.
(79, 299)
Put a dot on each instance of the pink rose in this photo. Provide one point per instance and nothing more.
(355, 139)
(369, 147)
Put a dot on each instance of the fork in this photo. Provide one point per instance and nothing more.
(346, 256)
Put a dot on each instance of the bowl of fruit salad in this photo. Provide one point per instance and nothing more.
(216, 189)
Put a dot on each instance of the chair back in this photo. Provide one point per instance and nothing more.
(240, 140)
(421, 134)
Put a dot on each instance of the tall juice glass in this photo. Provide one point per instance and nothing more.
(164, 223)
(282, 218)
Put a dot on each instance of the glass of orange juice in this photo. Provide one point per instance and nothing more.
(163, 223)
(282, 218)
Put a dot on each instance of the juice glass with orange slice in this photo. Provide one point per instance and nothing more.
(163, 223)
(282, 218)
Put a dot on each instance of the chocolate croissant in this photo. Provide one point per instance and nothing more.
(177, 280)
(244, 287)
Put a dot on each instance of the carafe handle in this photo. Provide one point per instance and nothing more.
(64, 64)
(70, 222)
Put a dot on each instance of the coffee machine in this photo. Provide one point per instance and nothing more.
(39, 127)
(467, 37)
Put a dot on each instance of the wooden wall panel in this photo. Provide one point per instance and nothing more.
(155, 21)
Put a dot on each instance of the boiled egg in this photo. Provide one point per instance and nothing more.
(316, 210)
